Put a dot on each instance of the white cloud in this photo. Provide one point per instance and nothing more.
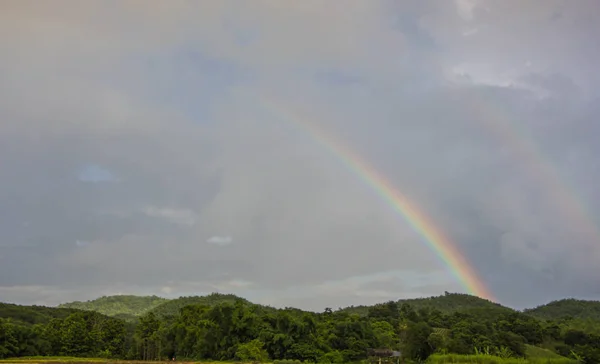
(176, 216)
(220, 240)
(81, 243)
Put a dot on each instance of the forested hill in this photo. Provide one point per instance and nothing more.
(567, 308)
(127, 306)
(230, 328)
(119, 305)
(172, 307)
(31, 315)
(449, 302)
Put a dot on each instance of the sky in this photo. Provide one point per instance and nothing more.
(154, 147)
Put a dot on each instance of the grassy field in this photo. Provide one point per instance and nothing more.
(490, 359)
(72, 360)
(537, 352)
(53, 359)
(60, 359)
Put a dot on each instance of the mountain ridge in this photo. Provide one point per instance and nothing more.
(129, 306)
(453, 323)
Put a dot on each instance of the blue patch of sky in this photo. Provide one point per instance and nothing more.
(95, 173)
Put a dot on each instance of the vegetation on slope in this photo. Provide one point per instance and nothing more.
(449, 302)
(172, 307)
(118, 305)
(226, 327)
(566, 309)
(30, 315)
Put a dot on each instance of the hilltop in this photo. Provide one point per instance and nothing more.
(128, 307)
(567, 308)
(124, 306)
(31, 315)
(447, 303)
(172, 307)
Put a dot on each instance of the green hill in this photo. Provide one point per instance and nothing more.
(567, 308)
(452, 302)
(172, 307)
(31, 315)
(129, 307)
(228, 327)
(447, 303)
(119, 305)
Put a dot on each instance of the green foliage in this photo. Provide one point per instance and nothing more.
(453, 328)
(332, 357)
(31, 315)
(120, 305)
(172, 307)
(252, 351)
(567, 308)
(537, 352)
(586, 325)
(448, 303)
(52, 359)
(490, 359)
(416, 344)
(286, 361)
(80, 334)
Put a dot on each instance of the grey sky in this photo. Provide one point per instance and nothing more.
(136, 155)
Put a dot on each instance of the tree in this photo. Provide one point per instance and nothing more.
(416, 346)
(252, 351)
(384, 335)
(9, 346)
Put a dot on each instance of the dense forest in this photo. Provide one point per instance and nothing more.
(226, 327)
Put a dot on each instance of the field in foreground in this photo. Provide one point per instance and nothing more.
(75, 360)
(434, 359)
(61, 359)
(489, 359)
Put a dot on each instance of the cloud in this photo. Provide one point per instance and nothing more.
(81, 242)
(220, 240)
(454, 106)
(176, 216)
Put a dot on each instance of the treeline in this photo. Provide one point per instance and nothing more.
(240, 330)
(81, 334)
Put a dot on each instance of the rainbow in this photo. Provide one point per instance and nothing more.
(435, 239)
